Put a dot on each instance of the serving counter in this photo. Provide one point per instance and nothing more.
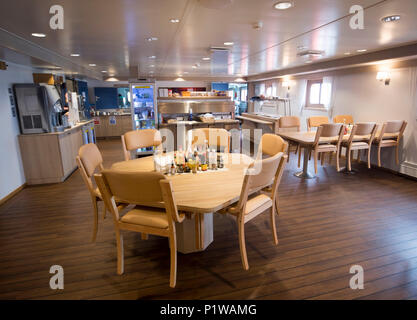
(50, 157)
(113, 125)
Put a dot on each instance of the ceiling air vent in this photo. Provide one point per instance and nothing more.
(310, 53)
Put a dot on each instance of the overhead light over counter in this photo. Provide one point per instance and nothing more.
(152, 57)
(179, 79)
(92, 65)
(174, 20)
(393, 18)
(206, 59)
(104, 71)
(283, 5)
(361, 50)
(39, 35)
(75, 54)
(228, 43)
(150, 39)
(240, 80)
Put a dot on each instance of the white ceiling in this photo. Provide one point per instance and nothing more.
(112, 34)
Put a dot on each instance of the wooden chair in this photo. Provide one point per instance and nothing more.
(345, 119)
(316, 122)
(390, 136)
(271, 144)
(367, 131)
(137, 139)
(328, 131)
(216, 138)
(291, 122)
(258, 176)
(141, 189)
(89, 159)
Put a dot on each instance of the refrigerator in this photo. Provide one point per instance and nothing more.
(143, 109)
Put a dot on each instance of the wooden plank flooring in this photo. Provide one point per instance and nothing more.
(326, 225)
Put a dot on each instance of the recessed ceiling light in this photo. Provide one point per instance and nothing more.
(152, 57)
(151, 66)
(174, 20)
(152, 39)
(104, 71)
(39, 35)
(347, 53)
(206, 59)
(92, 65)
(179, 79)
(391, 18)
(283, 5)
(194, 67)
(75, 54)
(362, 50)
(309, 61)
(185, 72)
(229, 43)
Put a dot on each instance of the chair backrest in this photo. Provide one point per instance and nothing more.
(346, 119)
(139, 188)
(364, 129)
(329, 130)
(271, 144)
(137, 139)
(88, 160)
(260, 174)
(316, 121)
(216, 137)
(289, 122)
(395, 128)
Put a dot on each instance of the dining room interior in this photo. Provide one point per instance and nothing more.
(208, 150)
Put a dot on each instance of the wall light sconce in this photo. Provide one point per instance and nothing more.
(384, 76)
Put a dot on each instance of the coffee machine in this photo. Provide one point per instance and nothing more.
(39, 107)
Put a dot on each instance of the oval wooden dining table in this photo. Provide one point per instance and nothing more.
(199, 195)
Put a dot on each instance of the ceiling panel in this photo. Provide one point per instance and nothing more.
(112, 34)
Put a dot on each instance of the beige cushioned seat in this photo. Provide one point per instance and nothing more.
(146, 216)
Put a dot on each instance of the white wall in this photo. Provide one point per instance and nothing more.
(366, 99)
(11, 169)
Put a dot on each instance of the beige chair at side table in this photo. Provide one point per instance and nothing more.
(216, 137)
(137, 139)
(316, 122)
(368, 131)
(271, 144)
(89, 159)
(141, 189)
(390, 136)
(345, 119)
(291, 122)
(333, 130)
(259, 175)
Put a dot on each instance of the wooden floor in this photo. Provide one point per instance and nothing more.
(326, 225)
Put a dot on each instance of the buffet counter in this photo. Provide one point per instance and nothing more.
(50, 157)
(113, 125)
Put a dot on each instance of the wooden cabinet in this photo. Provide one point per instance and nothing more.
(50, 157)
(105, 129)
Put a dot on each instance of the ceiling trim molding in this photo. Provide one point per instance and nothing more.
(23, 46)
(404, 52)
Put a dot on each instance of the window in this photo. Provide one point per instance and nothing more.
(318, 94)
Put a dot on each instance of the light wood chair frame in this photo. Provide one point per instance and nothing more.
(380, 144)
(127, 153)
(239, 211)
(350, 146)
(327, 148)
(95, 198)
(298, 147)
(119, 226)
